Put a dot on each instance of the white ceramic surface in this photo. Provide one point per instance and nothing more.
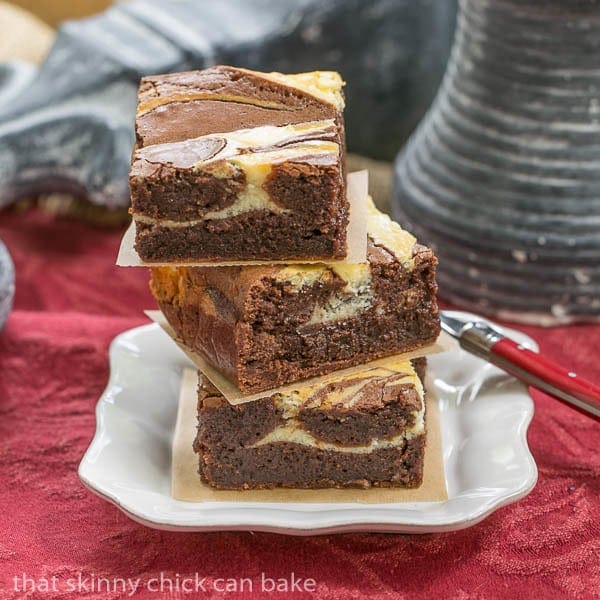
(484, 416)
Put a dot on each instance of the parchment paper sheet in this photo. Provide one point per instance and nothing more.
(186, 484)
(357, 191)
(235, 396)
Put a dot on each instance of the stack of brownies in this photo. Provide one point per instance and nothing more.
(244, 173)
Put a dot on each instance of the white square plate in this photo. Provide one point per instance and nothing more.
(484, 416)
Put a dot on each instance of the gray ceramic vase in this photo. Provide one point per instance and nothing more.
(502, 177)
(7, 284)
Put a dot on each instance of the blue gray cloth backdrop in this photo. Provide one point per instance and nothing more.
(68, 126)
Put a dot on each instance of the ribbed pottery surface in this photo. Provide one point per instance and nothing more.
(502, 177)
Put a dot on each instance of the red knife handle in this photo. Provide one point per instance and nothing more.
(550, 377)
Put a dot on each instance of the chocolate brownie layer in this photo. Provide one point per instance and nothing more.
(291, 465)
(225, 156)
(420, 365)
(359, 431)
(266, 326)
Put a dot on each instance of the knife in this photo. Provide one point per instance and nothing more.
(487, 342)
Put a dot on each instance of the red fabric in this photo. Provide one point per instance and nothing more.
(71, 301)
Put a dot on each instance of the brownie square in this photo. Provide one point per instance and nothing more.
(234, 165)
(365, 430)
(265, 326)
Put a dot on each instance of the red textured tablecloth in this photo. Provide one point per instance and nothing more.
(71, 301)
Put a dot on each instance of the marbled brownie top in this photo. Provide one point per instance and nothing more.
(361, 412)
(181, 106)
(246, 156)
(212, 144)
